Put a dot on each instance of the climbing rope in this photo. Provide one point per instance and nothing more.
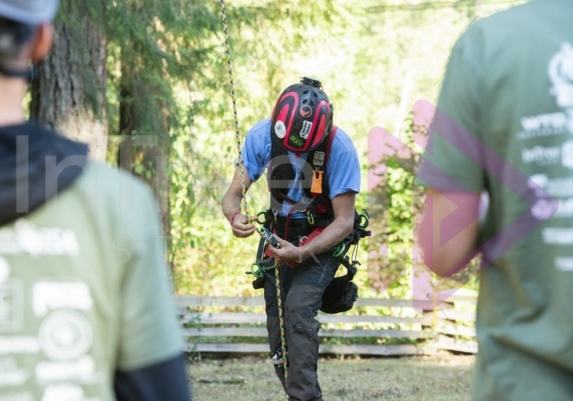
(282, 351)
(234, 101)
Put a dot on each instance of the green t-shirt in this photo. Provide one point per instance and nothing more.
(84, 292)
(508, 90)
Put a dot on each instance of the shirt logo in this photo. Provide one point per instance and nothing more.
(561, 74)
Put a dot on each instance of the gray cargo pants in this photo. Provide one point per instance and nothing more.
(302, 288)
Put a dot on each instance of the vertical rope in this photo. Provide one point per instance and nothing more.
(234, 101)
(244, 189)
(281, 320)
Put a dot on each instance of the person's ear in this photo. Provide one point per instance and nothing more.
(42, 43)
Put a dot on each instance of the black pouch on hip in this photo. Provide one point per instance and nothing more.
(340, 295)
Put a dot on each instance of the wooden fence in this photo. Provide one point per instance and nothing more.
(383, 327)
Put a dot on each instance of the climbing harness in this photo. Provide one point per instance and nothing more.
(341, 294)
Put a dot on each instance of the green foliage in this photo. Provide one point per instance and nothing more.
(393, 262)
(398, 203)
(155, 49)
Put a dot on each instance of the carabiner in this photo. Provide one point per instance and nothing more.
(364, 219)
(256, 270)
(258, 218)
(310, 218)
(339, 250)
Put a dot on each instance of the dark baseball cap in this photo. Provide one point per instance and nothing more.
(32, 12)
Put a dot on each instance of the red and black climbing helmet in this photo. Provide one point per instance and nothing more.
(302, 116)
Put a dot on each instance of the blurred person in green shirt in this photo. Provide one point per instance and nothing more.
(86, 309)
(503, 128)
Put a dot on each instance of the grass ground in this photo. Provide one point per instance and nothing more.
(440, 378)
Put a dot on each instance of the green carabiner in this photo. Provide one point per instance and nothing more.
(259, 271)
(310, 218)
(339, 250)
(256, 270)
(364, 219)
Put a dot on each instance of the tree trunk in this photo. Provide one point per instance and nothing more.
(69, 92)
(144, 126)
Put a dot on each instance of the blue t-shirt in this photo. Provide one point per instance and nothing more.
(342, 173)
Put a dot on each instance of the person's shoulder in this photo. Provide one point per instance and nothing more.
(261, 127)
(340, 133)
(342, 140)
(508, 21)
(486, 37)
(518, 13)
(103, 176)
(111, 186)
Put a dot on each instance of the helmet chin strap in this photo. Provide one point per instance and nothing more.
(27, 74)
